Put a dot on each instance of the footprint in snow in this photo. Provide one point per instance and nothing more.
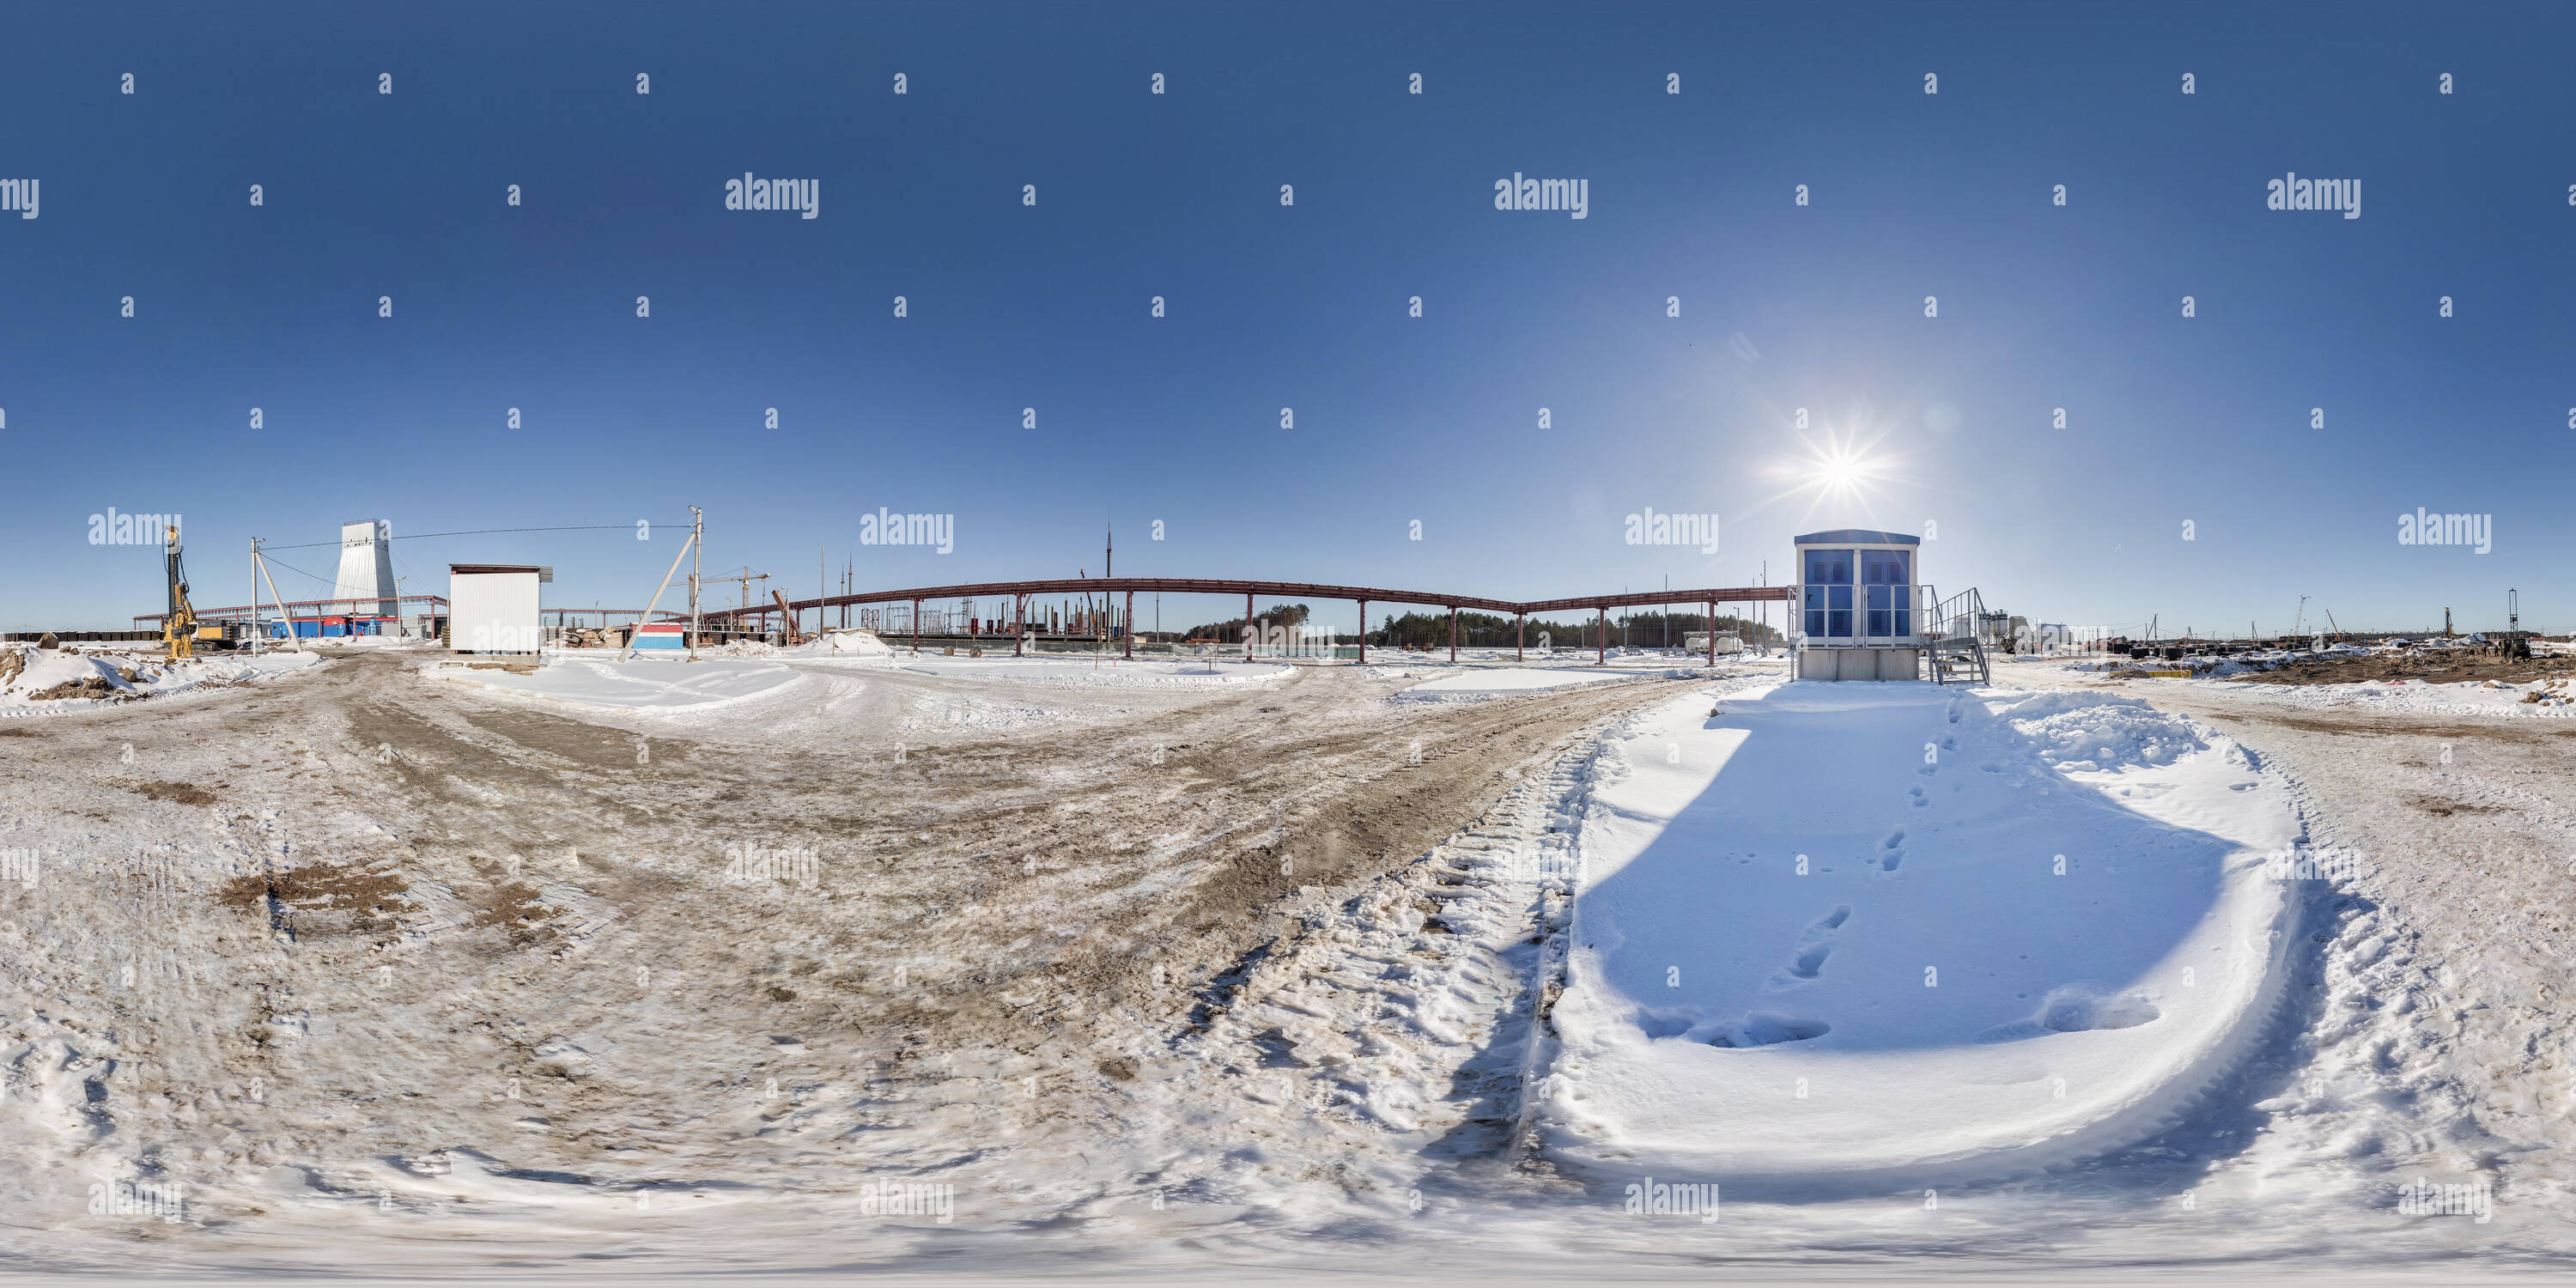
(1807, 961)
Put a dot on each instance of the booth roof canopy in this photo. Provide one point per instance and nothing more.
(1857, 536)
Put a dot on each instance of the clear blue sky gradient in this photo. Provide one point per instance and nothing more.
(2170, 419)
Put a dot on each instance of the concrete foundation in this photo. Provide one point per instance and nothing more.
(1860, 664)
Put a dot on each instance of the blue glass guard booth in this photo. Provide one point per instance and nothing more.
(1860, 606)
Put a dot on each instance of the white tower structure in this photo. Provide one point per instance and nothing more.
(367, 567)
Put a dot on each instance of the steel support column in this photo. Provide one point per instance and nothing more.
(1131, 624)
(1363, 633)
(1247, 626)
(1019, 624)
(916, 628)
(1517, 624)
(1605, 637)
(1453, 632)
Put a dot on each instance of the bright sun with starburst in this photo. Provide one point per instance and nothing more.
(1838, 475)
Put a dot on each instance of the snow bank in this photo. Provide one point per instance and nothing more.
(2553, 698)
(855, 643)
(1895, 933)
(82, 680)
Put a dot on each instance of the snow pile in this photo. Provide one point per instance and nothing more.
(855, 643)
(36, 681)
(2078, 731)
(1894, 933)
(58, 675)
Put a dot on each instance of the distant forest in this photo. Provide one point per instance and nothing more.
(1485, 630)
(1283, 616)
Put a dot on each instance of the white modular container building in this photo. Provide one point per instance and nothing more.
(492, 608)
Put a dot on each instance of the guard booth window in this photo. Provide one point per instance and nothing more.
(1828, 593)
(1887, 581)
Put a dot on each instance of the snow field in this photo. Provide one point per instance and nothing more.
(1898, 933)
(813, 695)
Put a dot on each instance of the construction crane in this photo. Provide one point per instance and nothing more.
(179, 625)
(743, 575)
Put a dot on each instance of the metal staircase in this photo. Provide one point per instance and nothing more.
(1956, 655)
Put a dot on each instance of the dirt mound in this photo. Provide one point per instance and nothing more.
(2437, 667)
(184, 793)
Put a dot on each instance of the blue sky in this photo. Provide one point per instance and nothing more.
(2171, 420)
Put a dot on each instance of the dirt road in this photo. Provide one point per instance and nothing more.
(330, 935)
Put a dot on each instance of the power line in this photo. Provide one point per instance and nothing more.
(476, 532)
(293, 569)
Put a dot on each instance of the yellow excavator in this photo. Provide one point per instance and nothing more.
(179, 626)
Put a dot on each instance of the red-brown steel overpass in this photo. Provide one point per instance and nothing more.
(1020, 591)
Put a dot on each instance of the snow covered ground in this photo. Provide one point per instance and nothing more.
(2550, 698)
(1485, 682)
(822, 696)
(1234, 969)
(1895, 934)
(649, 684)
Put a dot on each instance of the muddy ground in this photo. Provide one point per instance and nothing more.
(350, 925)
(2435, 667)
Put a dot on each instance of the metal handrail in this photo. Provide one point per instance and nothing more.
(1955, 644)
